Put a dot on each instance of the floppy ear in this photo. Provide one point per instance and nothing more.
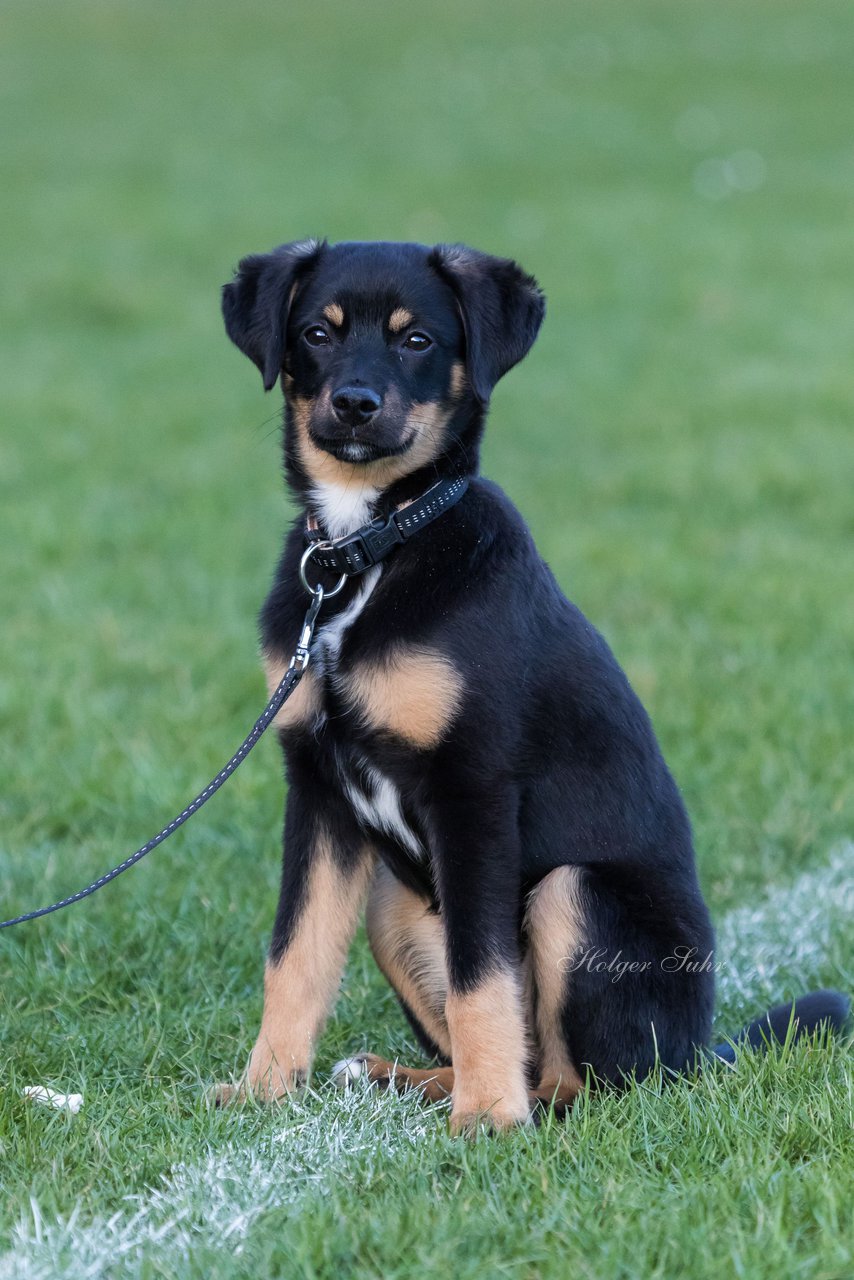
(256, 303)
(502, 309)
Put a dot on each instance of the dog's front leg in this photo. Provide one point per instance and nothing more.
(477, 857)
(325, 873)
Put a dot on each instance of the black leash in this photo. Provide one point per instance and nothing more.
(285, 688)
(357, 552)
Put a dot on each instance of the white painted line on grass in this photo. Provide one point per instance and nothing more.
(770, 951)
(776, 949)
(216, 1201)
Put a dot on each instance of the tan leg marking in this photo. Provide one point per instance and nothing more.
(399, 319)
(334, 313)
(301, 986)
(303, 705)
(489, 1051)
(408, 943)
(412, 692)
(555, 927)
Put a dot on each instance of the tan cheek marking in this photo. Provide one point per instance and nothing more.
(458, 380)
(320, 467)
(334, 313)
(407, 940)
(303, 704)
(489, 1050)
(301, 407)
(413, 693)
(428, 420)
(300, 987)
(555, 927)
(399, 319)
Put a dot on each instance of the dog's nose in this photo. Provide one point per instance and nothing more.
(355, 405)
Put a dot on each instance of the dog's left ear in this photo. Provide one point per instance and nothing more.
(255, 305)
(502, 308)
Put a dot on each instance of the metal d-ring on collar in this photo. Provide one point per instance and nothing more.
(306, 556)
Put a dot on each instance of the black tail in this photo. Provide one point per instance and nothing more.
(805, 1015)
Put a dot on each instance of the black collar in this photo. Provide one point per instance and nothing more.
(357, 551)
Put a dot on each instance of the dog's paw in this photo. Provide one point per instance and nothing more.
(225, 1095)
(270, 1086)
(362, 1068)
(347, 1072)
(466, 1123)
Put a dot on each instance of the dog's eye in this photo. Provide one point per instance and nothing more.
(315, 336)
(418, 342)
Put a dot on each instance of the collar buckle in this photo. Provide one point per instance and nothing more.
(357, 551)
(380, 536)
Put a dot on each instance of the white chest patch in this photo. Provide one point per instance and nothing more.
(378, 805)
(327, 645)
(375, 799)
(343, 508)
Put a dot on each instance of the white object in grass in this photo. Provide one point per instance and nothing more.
(346, 1072)
(53, 1098)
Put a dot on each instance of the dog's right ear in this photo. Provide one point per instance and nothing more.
(501, 308)
(255, 305)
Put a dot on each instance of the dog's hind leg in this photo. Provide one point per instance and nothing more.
(407, 940)
(613, 996)
(554, 931)
(408, 943)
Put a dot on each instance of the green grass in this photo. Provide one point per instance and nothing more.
(679, 440)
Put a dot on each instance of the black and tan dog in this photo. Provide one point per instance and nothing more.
(464, 753)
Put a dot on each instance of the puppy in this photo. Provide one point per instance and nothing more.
(464, 754)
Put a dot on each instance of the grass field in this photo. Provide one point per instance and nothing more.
(681, 178)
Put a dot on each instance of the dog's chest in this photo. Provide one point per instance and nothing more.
(375, 799)
(331, 637)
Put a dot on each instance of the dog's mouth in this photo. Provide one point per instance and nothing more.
(361, 452)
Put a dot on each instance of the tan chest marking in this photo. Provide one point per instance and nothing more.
(303, 705)
(412, 692)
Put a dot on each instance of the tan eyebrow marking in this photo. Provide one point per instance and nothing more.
(399, 319)
(334, 313)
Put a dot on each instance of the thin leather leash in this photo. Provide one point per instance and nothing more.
(347, 556)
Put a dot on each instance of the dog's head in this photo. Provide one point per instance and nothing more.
(388, 352)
